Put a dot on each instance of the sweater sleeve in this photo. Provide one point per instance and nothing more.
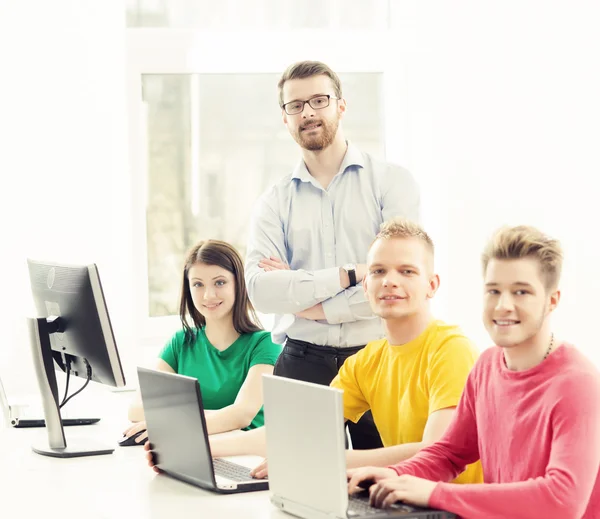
(565, 488)
(457, 448)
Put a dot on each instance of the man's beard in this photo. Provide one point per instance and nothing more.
(317, 142)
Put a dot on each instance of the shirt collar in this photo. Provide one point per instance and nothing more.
(353, 157)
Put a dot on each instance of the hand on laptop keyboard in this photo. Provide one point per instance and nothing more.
(363, 478)
(405, 488)
(260, 471)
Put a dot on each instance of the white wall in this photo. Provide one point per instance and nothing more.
(64, 191)
(499, 120)
(502, 108)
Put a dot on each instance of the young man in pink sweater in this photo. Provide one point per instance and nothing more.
(530, 409)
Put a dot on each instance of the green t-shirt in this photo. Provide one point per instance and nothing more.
(221, 373)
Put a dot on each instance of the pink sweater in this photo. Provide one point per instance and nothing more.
(537, 433)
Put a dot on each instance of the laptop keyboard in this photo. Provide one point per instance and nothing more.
(359, 506)
(233, 471)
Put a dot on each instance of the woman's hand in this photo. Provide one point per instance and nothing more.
(135, 428)
(150, 458)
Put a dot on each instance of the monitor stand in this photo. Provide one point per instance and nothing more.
(40, 330)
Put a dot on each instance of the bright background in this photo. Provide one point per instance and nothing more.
(129, 132)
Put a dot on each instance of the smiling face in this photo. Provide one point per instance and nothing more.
(516, 301)
(314, 129)
(213, 291)
(400, 278)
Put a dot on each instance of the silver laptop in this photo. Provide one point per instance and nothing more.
(177, 432)
(306, 453)
(22, 416)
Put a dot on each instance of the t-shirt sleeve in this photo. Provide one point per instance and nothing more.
(355, 403)
(170, 352)
(265, 351)
(448, 372)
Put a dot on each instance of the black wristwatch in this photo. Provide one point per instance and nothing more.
(350, 268)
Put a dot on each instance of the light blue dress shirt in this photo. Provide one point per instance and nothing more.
(316, 231)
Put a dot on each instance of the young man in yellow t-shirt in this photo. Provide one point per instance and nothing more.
(413, 379)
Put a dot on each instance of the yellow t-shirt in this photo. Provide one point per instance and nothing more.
(403, 385)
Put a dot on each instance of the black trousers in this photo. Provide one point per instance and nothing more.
(305, 361)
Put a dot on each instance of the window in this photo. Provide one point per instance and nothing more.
(215, 142)
(197, 160)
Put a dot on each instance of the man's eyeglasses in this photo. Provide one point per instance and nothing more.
(316, 103)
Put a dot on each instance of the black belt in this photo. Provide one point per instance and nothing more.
(302, 347)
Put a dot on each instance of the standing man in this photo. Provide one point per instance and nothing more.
(311, 231)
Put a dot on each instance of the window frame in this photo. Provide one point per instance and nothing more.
(181, 51)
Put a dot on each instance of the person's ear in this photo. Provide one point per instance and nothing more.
(341, 107)
(434, 284)
(554, 300)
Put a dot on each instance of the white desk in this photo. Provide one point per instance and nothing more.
(119, 485)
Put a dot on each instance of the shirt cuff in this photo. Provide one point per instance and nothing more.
(436, 500)
(337, 310)
(327, 283)
(395, 469)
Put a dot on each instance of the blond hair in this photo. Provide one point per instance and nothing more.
(526, 242)
(306, 69)
(403, 228)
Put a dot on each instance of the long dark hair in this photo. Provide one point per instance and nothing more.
(220, 253)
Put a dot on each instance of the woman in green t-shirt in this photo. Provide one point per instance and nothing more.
(221, 342)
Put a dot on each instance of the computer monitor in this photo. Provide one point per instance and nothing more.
(72, 332)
